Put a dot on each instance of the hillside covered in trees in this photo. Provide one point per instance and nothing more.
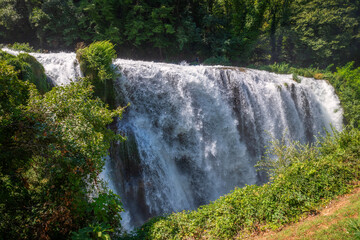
(300, 32)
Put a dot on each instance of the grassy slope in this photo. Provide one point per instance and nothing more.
(331, 223)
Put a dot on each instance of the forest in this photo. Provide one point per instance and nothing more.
(53, 139)
(241, 32)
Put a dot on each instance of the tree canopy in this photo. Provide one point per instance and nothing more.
(301, 32)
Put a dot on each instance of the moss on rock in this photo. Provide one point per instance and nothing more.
(96, 64)
(29, 69)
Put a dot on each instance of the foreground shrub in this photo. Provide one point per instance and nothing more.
(52, 150)
(29, 69)
(302, 179)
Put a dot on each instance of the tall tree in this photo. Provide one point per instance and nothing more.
(328, 31)
(278, 18)
(247, 20)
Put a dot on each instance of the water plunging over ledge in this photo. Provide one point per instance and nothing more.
(196, 132)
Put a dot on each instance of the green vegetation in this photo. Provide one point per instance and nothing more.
(354, 227)
(302, 179)
(25, 47)
(300, 32)
(338, 220)
(28, 68)
(96, 60)
(96, 64)
(217, 61)
(52, 141)
(51, 150)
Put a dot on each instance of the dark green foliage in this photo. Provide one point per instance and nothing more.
(25, 47)
(300, 32)
(14, 93)
(106, 208)
(347, 83)
(303, 178)
(327, 30)
(51, 150)
(217, 61)
(96, 63)
(29, 69)
(8, 15)
(246, 22)
(55, 33)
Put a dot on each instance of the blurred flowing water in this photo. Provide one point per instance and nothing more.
(196, 132)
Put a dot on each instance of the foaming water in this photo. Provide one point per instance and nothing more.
(198, 131)
(61, 68)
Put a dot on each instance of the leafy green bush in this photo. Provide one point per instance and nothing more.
(285, 68)
(14, 92)
(96, 64)
(347, 83)
(96, 59)
(302, 179)
(106, 208)
(22, 47)
(29, 69)
(51, 150)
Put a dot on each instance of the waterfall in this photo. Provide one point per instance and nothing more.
(60, 68)
(196, 132)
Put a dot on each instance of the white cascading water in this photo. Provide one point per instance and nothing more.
(200, 130)
(196, 132)
(60, 68)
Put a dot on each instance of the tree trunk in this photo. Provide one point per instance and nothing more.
(274, 55)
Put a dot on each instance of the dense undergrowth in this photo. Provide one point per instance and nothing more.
(52, 148)
(29, 69)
